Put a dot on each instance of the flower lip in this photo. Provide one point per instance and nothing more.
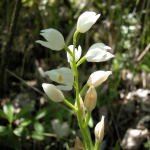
(64, 76)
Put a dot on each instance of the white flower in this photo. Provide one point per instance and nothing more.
(52, 92)
(77, 53)
(98, 77)
(98, 53)
(55, 39)
(99, 130)
(86, 20)
(63, 76)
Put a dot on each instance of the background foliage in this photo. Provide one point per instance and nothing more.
(31, 121)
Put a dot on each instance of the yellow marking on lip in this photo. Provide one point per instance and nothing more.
(60, 78)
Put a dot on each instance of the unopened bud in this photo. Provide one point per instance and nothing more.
(52, 92)
(90, 98)
(99, 130)
(81, 106)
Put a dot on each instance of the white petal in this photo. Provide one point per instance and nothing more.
(64, 88)
(55, 76)
(101, 46)
(67, 75)
(69, 57)
(55, 35)
(98, 53)
(48, 45)
(52, 92)
(63, 76)
(54, 38)
(98, 77)
(98, 56)
(86, 20)
(77, 53)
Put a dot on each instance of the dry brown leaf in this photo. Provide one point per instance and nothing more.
(78, 145)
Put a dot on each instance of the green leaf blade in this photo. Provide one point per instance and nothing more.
(117, 146)
(2, 114)
(22, 112)
(9, 111)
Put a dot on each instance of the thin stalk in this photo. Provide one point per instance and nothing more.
(68, 50)
(69, 104)
(87, 119)
(74, 41)
(96, 145)
(83, 89)
(49, 134)
(81, 61)
(79, 113)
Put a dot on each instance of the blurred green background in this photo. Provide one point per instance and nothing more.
(28, 119)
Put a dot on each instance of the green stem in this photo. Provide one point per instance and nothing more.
(71, 65)
(83, 89)
(68, 50)
(74, 41)
(79, 113)
(69, 104)
(96, 145)
(49, 134)
(81, 61)
(87, 119)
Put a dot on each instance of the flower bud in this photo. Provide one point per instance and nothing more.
(52, 92)
(98, 78)
(99, 130)
(55, 39)
(90, 99)
(86, 20)
(81, 106)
